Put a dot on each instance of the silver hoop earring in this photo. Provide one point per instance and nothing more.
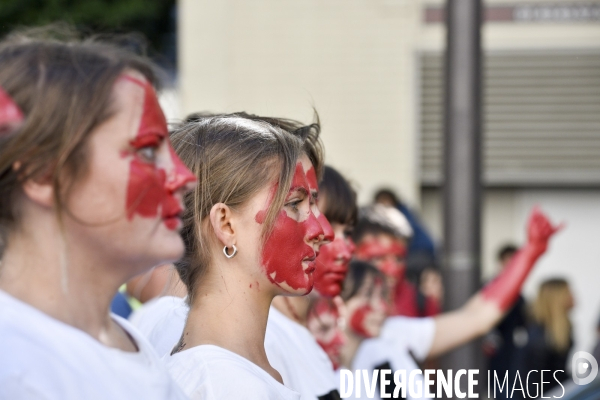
(232, 254)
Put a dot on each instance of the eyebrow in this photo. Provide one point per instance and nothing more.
(301, 189)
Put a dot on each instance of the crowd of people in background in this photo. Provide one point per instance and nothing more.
(246, 268)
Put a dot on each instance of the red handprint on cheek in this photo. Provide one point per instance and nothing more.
(151, 189)
(286, 248)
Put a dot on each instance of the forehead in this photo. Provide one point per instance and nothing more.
(305, 161)
(128, 100)
(382, 239)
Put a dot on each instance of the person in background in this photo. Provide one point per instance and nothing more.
(430, 284)
(382, 235)
(377, 341)
(549, 337)
(422, 243)
(502, 344)
(290, 346)
(90, 196)
(144, 292)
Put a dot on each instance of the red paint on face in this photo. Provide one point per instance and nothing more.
(327, 332)
(332, 266)
(151, 189)
(286, 248)
(357, 320)
(333, 348)
(10, 113)
(385, 255)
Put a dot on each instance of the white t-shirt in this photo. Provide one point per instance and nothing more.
(290, 347)
(302, 363)
(210, 372)
(161, 321)
(43, 358)
(402, 340)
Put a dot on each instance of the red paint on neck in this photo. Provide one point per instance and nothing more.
(151, 189)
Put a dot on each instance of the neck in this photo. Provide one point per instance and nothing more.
(295, 308)
(349, 349)
(65, 282)
(229, 312)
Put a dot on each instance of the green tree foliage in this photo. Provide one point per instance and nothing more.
(152, 18)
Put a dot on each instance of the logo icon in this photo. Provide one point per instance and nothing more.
(584, 368)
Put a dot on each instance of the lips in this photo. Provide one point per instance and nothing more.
(311, 264)
(171, 214)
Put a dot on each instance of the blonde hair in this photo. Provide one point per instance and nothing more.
(550, 310)
(234, 156)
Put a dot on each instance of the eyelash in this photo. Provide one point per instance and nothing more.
(148, 157)
(294, 204)
(145, 143)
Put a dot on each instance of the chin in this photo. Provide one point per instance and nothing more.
(303, 291)
(169, 250)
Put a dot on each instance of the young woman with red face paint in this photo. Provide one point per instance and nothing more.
(90, 196)
(252, 231)
(382, 235)
(291, 348)
(401, 338)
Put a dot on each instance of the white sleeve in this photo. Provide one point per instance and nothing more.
(415, 333)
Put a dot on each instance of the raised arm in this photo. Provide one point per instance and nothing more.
(487, 307)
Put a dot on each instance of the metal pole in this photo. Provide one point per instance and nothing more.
(462, 172)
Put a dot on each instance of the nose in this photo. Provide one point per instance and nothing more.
(328, 234)
(345, 253)
(347, 249)
(180, 176)
(314, 231)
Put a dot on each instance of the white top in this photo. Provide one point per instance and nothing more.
(210, 372)
(43, 358)
(161, 321)
(302, 363)
(290, 347)
(400, 337)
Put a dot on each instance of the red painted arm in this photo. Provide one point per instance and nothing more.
(505, 288)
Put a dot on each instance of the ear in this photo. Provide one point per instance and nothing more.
(39, 191)
(221, 219)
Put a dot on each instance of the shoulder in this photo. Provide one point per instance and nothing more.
(150, 313)
(211, 372)
(162, 322)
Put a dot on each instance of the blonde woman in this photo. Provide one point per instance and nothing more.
(253, 231)
(550, 337)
